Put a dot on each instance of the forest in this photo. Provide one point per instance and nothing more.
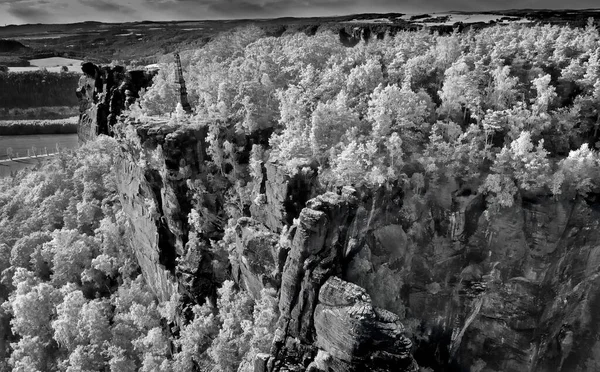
(507, 111)
(31, 89)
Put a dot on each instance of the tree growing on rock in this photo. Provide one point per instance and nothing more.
(233, 340)
(579, 173)
(520, 166)
(329, 122)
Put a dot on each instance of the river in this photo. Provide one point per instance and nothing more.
(20, 144)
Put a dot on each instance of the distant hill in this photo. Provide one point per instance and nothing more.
(146, 41)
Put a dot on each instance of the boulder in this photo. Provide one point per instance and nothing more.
(354, 332)
(255, 263)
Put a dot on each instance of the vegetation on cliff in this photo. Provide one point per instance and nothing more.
(74, 298)
(511, 112)
(506, 110)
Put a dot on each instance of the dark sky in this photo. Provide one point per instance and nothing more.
(67, 11)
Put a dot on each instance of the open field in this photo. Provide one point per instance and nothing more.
(51, 64)
(76, 69)
(55, 61)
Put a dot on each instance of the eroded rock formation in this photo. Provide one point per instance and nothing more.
(296, 255)
(357, 336)
(155, 166)
(103, 93)
(361, 286)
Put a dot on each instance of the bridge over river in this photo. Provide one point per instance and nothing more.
(23, 150)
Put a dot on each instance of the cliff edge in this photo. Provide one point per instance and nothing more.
(359, 285)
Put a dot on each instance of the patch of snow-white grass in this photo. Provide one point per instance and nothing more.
(520, 20)
(470, 18)
(55, 61)
(42, 37)
(153, 66)
(378, 20)
(49, 69)
(406, 17)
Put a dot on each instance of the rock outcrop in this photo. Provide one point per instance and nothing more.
(258, 259)
(103, 93)
(327, 324)
(357, 336)
(280, 197)
(159, 166)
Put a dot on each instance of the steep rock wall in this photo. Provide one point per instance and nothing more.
(103, 93)
(457, 286)
(158, 166)
(514, 290)
(510, 291)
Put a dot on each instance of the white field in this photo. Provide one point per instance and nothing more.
(464, 18)
(55, 61)
(53, 64)
(379, 20)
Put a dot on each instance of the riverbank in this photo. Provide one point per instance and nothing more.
(31, 127)
(10, 167)
(23, 146)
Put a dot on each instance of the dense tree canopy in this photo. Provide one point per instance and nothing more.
(73, 293)
(506, 111)
(367, 114)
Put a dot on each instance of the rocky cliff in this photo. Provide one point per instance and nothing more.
(103, 93)
(301, 253)
(363, 284)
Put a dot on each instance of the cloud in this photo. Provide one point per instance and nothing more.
(240, 7)
(29, 13)
(28, 10)
(107, 6)
(207, 9)
(60, 11)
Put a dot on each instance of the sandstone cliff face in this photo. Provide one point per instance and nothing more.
(499, 291)
(362, 283)
(103, 93)
(158, 165)
(509, 291)
(356, 335)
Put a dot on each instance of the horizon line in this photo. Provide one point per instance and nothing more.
(305, 17)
